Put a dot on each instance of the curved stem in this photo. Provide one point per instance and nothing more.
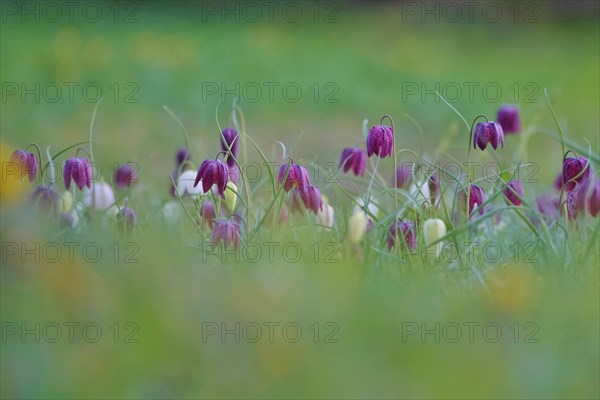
(185, 132)
(50, 165)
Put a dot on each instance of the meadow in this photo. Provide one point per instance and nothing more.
(295, 281)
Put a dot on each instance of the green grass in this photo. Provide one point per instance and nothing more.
(541, 289)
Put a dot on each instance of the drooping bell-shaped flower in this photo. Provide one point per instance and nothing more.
(404, 174)
(46, 198)
(380, 141)
(325, 216)
(312, 199)
(293, 176)
(125, 175)
(357, 227)
(435, 188)
(126, 219)
(186, 186)
(433, 230)
(229, 140)
(182, 156)
(514, 193)
(80, 171)
(27, 163)
(508, 117)
(476, 199)
(99, 197)
(207, 212)
(355, 159)
(488, 132)
(212, 172)
(409, 236)
(231, 195)
(226, 232)
(548, 205)
(574, 171)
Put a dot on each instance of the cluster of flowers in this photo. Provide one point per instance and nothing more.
(578, 188)
(97, 196)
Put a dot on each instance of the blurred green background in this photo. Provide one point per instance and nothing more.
(364, 57)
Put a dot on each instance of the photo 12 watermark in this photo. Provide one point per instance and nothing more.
(269, 92)
(53, 12)
(68, 92)
(69, 332)
(288, 12)
(470, 12)
(269, 332)
(469, 332)
(69, 252)
(470, 92)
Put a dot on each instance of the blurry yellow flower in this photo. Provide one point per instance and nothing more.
(357, 226)
(433, 230)
(66, 202)
(231, 195)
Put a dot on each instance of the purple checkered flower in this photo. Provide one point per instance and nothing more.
(80, 171)
(355, 159)
(488, 132)
(380, 141)
(27, 161)
(212, 172)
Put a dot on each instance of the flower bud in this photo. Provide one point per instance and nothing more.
(182, 156)
(66, 202)
(508, 117)
(125, 175)
(325, 216)
(46, 197)
(357, 226)
(404, 174)
(409, 237)
(126, 220)
(476, 199)
(207, 212)
(226, 232)
(230, 139)
(434, 230)
(100, 196)
(231, 195)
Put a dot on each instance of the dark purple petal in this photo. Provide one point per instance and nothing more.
(126, 220)
(200, 174)
(182, 156)
(508, 117)
(575, 170)
(67, 173)
(125, 176)
(514, 193)
(403, 174)
(207, 212)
